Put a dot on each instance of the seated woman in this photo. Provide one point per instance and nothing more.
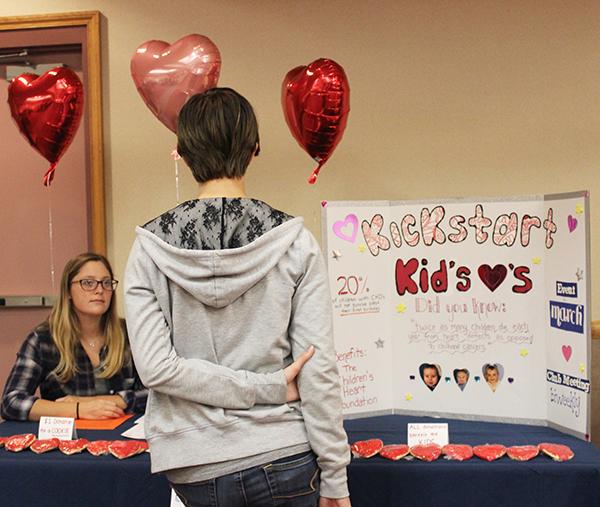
(79, 358)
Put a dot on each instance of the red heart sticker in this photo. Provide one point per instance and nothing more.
(492, 277)
(459, 452)
(17, 443)
(98, 447)
(558, 452)
(522, 452)
(489, 452)
(45, 445)
(426, 452)
(126, 448)
(69, 447)
(366, 448)
(394, 451)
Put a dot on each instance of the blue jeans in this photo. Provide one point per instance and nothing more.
(290, 482)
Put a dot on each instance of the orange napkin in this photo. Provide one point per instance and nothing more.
(101, 424)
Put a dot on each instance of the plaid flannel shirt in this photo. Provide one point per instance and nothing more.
(37, 359)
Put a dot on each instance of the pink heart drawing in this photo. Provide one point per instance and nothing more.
(572, 223)
(346, 229)
(567, 351)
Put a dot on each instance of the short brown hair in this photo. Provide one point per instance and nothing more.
(217, 134)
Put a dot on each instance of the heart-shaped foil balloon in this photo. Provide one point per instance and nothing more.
(316, 102)
(47, 110)
(167, 75)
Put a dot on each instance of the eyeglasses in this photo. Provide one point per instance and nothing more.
(89, 284)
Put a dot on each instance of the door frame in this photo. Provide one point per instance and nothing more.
(93, 103)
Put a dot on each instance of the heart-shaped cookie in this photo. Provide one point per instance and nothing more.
(558, 452)
(69, 447)
(522, 452)
(459, 452)
(98, 447)
(394, 451)
(366, 448)
(489, 452)
(426, 452)
(126, 448)
(167, 75)
(44, 445)
(17, 443)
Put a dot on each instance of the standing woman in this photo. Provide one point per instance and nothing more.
(79, 358)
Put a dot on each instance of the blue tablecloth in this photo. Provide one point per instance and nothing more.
(540, 482)
(82, 480)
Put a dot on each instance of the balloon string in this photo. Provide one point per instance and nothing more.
(175, 156)
(313, 177)
(49, 176)
(177, 180)
(51, 238)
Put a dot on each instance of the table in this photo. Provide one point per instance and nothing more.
(53, 479)
(377, 482)
(80, 480)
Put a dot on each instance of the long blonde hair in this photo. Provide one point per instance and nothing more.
(64, 328)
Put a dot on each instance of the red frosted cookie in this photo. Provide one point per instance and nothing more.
(394, 451)
(459, 452)
(558, 452)
(489, 452)
(426, 452)
(126, 448)
(73, 446)
(98, 447)
(522, 452)
(366, 448)
(17, 443)
(45, 445)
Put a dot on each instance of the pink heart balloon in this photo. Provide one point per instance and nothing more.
(166, 75)
(316, 103)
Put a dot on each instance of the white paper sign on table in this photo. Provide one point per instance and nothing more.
(62, 428)
(427, 433)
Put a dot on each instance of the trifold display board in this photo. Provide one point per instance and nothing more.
(470, 308)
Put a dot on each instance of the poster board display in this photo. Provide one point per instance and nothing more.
(467, 308)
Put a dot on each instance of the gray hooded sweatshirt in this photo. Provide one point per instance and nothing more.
(220, 296)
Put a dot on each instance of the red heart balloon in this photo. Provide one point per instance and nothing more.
(166, 75)
(316, 103)
(47, 110)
